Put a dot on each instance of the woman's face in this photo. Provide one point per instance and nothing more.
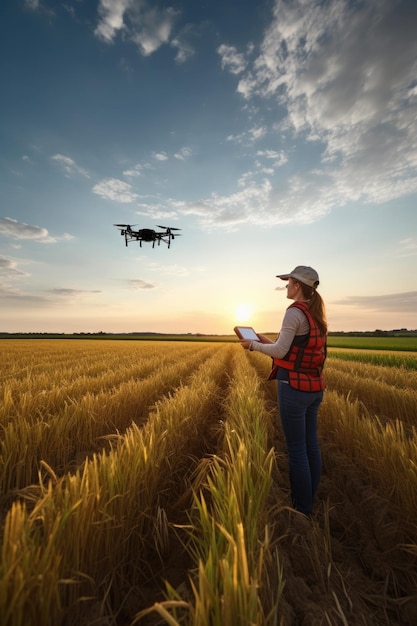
(293, 289)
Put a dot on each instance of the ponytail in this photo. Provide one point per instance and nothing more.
(316, 307)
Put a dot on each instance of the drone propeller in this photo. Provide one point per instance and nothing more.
(168, 227)
(124, 225)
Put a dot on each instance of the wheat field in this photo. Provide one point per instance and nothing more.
(146, 483)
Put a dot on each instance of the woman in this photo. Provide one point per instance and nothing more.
(298, 359)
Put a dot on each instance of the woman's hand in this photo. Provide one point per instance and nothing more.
(264, 339)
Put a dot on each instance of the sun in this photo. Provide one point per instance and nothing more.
(243, 313)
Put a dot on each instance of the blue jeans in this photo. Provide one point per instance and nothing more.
(298, 412)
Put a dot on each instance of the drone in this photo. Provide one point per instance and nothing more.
(147, 234)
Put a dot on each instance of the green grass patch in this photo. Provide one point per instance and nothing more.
(387, 359)
(403, 344)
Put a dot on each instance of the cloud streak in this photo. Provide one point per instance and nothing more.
(389, 303)
(14, 229)
(69, 166)
(8, 268)
(137, 284)
(115, 189)
(65, 292)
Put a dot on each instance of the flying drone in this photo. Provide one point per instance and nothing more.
(147, 234)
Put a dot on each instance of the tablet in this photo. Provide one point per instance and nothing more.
(246, 333)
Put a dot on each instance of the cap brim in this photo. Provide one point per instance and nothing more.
(283, 276)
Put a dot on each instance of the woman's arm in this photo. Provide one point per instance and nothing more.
(294, 323)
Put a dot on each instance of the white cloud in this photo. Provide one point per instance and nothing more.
(257, 132)
(231, 59)
(184, 49)
(183, 154)
(160, 156)
(278, 158)
(243, 206)
(138, 284)
(345, 74)
(136, 170)
(144, 24)
(302, 199)
(10, 227)
(250, 136)
(114, 189)
(69, 166)
(152, 28)
(298, 199)
(9, 269)
(111, 18)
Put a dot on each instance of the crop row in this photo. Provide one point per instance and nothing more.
(61, 428)
(386, 392)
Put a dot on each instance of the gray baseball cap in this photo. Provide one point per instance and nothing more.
(304, 274)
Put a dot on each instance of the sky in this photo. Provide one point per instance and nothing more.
(273, 133)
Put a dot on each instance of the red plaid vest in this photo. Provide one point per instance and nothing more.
(305, 362)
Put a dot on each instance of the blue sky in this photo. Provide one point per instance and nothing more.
(273, 133)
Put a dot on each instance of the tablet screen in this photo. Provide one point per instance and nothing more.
(246, 332)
